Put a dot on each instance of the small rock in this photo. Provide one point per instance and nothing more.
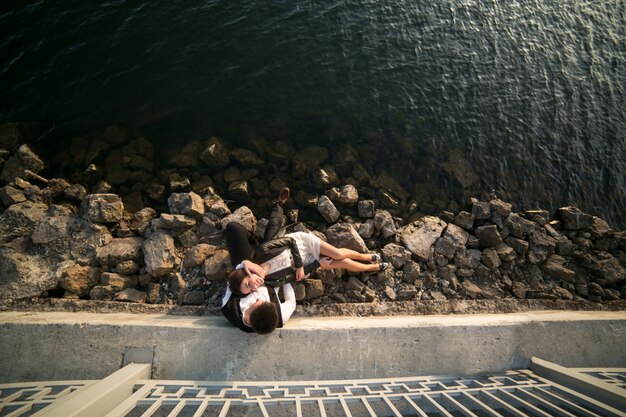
(574, 219)
(383, 221)
(197, 255)
(102, 208)
(327, 209)
(159, 253)
(563, 293)
(366, 230)
(390, 293)
(132, 295)
(456, 235)
(10, 195)
(481, 210)
(465, 220)
(214, 155)
(79, 279)
(343, 235)
(500, 207)
(21, 161)
(173, 222)
(491, 259)
(366, 208)
(75, 192)
(314, 288)
(120, 250)
(488, 236)
(101, 293)
(555, 268)
(190, 204)
(194, 298)
(518, 289)
(348, 194)
(128, 267)
(118, 282)
(410, 272)
(396, 255)
(420, 235)
(216, 267)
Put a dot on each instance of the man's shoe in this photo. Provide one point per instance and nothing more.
(283, 195)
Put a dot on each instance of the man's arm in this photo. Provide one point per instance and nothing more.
(275, 245)
(289, 306)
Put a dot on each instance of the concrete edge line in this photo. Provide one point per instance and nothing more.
(586, 384)
(98, 399)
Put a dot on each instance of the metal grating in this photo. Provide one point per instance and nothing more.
(514, 393)
(615, 376)
(25, 399)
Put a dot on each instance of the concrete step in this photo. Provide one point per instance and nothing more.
(61, 345)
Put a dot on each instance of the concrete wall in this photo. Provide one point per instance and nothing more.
(54, 346)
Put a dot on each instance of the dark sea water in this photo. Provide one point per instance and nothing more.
(531, 92)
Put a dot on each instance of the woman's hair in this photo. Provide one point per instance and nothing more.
(264, 318)
(235, 279)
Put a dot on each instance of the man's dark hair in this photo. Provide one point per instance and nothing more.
(264, 318)
(235, 279)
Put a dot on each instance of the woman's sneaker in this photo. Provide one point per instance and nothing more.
(376, 258)
(383, 266)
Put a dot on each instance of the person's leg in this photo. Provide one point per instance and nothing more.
(275, 223)
(352, 266)
(238, 243)
(326, 249)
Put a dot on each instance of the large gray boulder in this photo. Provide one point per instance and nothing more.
(343, 235)
(159, 253)
(420, 235)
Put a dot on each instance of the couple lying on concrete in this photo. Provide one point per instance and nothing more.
(264, 272)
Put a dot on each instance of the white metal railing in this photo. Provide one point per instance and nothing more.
(511, 393)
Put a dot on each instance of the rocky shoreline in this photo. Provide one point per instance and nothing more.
(120, 230)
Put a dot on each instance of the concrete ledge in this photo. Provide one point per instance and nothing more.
(53, 346)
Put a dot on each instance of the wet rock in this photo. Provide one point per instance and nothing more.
(343, 235)
(384, 223)
(155, 191)
(20, 162)
(188, 156)
(217, 266)
(555, 268)
(396, 255)
(348, 194)
(325, 177)
(79, 279)
(327, 209)
(385, 182)
(131, 295)
(420, 235)
(178, 183)
(173, 222)
(564, 246)
(190, 204)
(518, 289)
(197, 255)
(120, 250)
(118, 282)
(102, 208)
(488, 236)
(10, 195)
(244, 216)
(574, 219)
(459, 168)
(214, 155)
(314, 288)
(159, 253)
(465, 220)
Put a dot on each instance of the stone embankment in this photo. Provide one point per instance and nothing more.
(59, 239)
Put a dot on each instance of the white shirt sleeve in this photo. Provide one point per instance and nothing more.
(289, 306)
